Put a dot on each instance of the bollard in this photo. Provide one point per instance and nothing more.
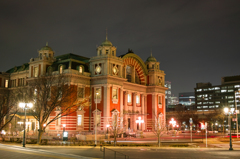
(103, 152)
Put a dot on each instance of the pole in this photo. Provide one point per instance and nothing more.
(236, 113)
(191, 135)
(230, 134)
(24, 126)
(206, 132)
(96, 122)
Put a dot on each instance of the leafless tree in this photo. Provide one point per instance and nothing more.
(53, 95)
(8, 106)
(159, 128)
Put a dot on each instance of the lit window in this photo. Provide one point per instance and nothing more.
(129, 98)
(236, 86)
(80, 69)
(230, 90)
(115, 93)
(137, 99)
(159, 100)
(35, 71)
(98, 93)
(217, 88)
(61, 69)
(217, 102)
(199, 90)
(79, 120)
(6, 84)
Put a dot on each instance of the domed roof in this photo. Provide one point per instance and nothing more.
(151, 59)
(46, 48)
(106, 43)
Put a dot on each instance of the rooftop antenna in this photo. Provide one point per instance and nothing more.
(106, 35)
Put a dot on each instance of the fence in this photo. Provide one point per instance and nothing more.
(114, 153)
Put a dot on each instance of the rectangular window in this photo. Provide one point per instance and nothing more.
(199, 90)
(159, 99)
(230, 90)
(106, 51)
(129, 98)
(35, 71)
(80, 92)
(61, 69)
(115, 93)
(217, 88)
(137, 99)
(6, 84)
(79, 120)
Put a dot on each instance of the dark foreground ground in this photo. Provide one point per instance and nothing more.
(62, 152)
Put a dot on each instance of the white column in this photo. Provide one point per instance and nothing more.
(121, 107)
(125, 108)
(134, 110)
(133, 74)
(143, 112)
(106, 106)
(154, 107)
(145, 108)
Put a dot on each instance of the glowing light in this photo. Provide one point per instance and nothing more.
(139, 120)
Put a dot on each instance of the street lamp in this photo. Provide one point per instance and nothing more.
(107, 128)
(25, 106)
(173, 122)
(229, 112)
(96, 122)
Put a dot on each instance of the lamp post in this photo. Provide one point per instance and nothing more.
(236, 112)
(25, 106)
(229, 112)
(96, 122)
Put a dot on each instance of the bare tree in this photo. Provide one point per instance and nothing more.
(53, 95)
(115, 129)
(159, 128)
(8, 106)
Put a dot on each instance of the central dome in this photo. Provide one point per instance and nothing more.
(46, 48)
(151, 59)
(106, 43)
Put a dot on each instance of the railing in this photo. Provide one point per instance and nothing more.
(103, 149)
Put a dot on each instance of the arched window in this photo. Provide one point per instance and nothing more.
(80, 69)
(129, 73)
(61, 69)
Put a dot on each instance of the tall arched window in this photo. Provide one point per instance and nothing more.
(80, 69)
(61, 69)
(129, 73)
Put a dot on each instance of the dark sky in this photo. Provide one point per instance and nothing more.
(194, 40)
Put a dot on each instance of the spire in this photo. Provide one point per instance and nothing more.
(106, 35)
(151, 52)
(46, 43)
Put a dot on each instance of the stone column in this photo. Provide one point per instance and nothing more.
(106, 106)
(121, 107)
(133, 74)
(134, 111)
(143, 112)
(154, 108)
(125, 108)
(145, 108)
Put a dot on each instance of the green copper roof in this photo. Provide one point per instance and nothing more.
(46, 47)
(151, 59)
(106, 43)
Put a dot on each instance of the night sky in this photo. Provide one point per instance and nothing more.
(194, 40)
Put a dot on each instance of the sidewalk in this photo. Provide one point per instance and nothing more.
(13, 151)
